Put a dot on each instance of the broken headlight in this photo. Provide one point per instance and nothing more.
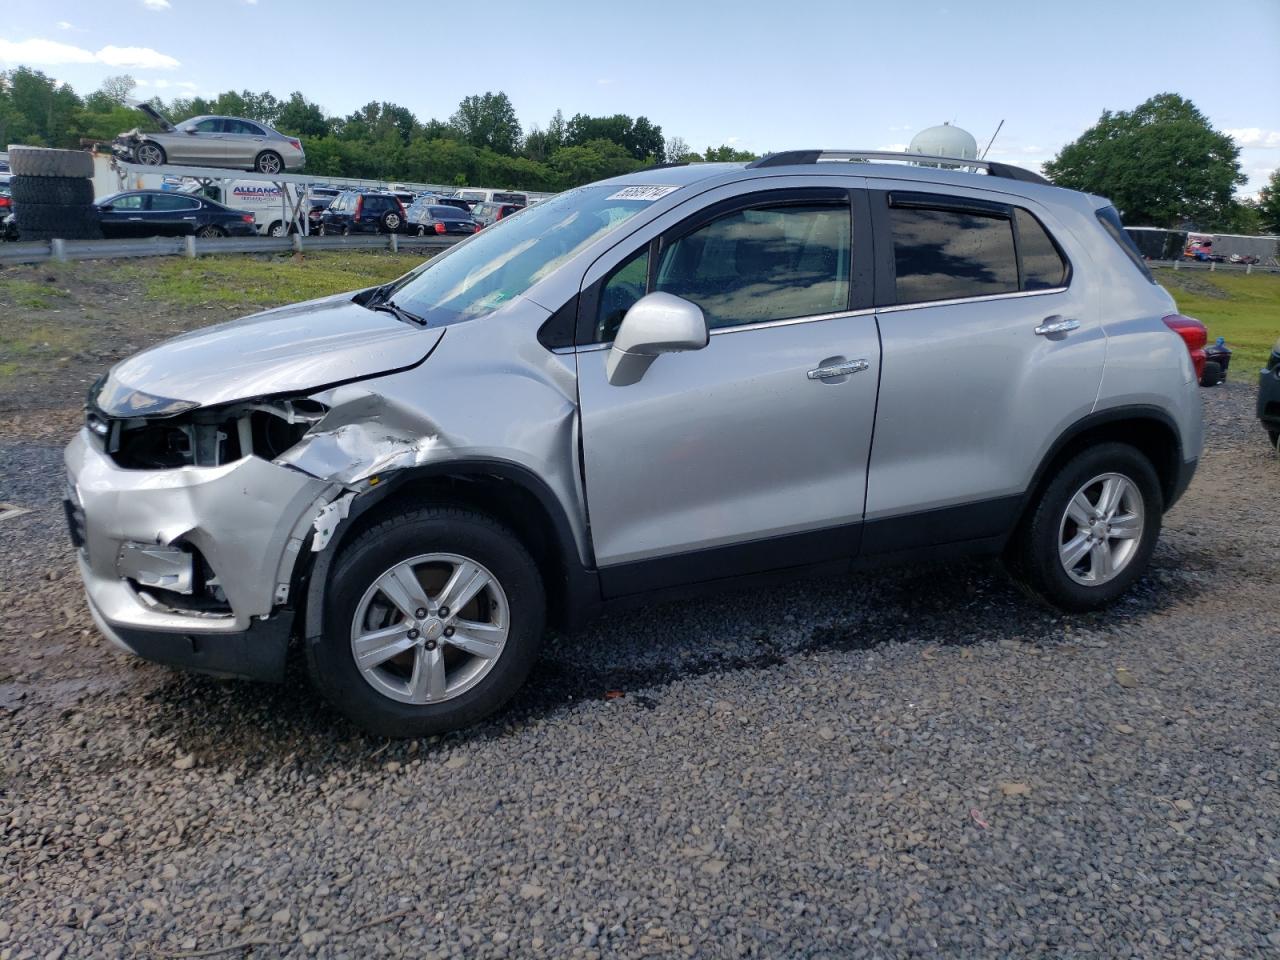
(207, 436)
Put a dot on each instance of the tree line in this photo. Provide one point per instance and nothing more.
(481, 143)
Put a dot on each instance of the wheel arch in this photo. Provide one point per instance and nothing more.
(509, 493)
(1149, 429)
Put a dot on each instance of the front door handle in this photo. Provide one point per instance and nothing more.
(838, 370)
(1056, 324)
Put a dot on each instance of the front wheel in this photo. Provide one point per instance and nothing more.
(149, 154)
(432, 621)
(1091, 533)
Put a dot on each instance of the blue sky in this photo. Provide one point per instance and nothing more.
(760, 75)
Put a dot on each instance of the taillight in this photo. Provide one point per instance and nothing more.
(5, 202)
(1193, 334)
(403, 215)
(359, 207)
(247, 218)
(439, 228)
(297, 144)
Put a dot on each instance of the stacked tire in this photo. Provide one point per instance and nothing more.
(53, 194)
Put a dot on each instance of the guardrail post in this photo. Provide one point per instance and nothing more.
(59, 249)
(297, 243)
(1175, 264)
(395, 242)
(190, 250)
(1248, 268)
(1212, 266)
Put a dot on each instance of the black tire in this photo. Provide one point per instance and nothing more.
(422, 231)
(1033, 556)
(46, 221)
(59, 191)
(44, 162)
(1211, 376)
(268, 161)
(150, 154)
(277, 229)
(423, 529)
(210, 231)
(1275, 438)
(346, 229)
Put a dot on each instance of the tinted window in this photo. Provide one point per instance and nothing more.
(624, 287)
(244, 126)
(211, 125)
(482, 210)
(949, 254)
(447, 213)
(509, 198)
(768, 263)
(163, 202)
(130, 202)
(1042, 265)
(374, 204)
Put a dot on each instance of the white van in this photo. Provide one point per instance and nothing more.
(266, 201)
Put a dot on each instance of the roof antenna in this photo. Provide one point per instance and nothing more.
(992, 140)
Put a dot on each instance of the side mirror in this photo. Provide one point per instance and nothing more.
(107, 207)
(191, 130)
(657, 323)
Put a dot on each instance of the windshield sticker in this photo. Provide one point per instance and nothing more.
(649, 193)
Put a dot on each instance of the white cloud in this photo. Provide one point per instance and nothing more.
(65, 25)
(1254, 137)
(38, 51)
(156, 4)
(604, 81)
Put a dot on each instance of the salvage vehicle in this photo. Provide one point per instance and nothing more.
(675, 381)
(166, 213)
(1269, 396)
(490, 213)
(210, 142)
(424, 217)
(363, 211)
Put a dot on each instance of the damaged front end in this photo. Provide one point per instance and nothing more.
(124, 145)
(190, 523)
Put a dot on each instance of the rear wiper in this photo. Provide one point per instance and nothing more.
(399, 312)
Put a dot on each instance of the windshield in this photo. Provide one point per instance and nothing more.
(505, 260)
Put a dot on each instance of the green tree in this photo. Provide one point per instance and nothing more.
(1269, 204)
(1161, 163)
(302, 118)
(40, 111)
(640, 138)
(727, 154)
(488, 120)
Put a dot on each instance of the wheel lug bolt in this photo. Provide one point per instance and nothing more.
(444, 611)
(448, 631)
(413, 634)
(431, 644)
(420, 612)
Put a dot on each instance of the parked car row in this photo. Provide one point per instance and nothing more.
(376, 211)
(153, 213)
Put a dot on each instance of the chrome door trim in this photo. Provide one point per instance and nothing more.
(1014, 295)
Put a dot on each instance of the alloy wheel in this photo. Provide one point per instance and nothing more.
(430, 628)
(150, 155)
(269, 163)
(1101, 529)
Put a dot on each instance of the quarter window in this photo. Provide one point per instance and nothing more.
(1043, 267)
(763, 263)
(950, 254)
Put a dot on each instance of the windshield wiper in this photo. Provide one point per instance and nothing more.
(399, 312)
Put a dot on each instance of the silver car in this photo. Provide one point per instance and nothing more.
(211, 142)
(674, 381)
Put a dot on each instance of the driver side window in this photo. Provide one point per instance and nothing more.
(621, 290)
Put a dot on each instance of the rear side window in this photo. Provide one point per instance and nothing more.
(446, 213)
(1043, 266)
(1109, 217)
(763, 263)
(951, 254)
(162, 202)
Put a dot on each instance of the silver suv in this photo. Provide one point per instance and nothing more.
(686, 378)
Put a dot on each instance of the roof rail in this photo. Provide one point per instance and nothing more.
(993, 169)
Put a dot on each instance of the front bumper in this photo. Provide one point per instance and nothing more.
(247, 520)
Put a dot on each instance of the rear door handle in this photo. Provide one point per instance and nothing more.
(838, 370)
(1056, 324)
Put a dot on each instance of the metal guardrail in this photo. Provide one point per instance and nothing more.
(1213, 267)
(40, 251)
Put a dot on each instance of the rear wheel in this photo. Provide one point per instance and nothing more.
(432, 621)
(210, 232)
(268, 162)
(391, 222)
(276, 229)
(1211, 376)
(422, 231)
(1092, 531)
(149, 154)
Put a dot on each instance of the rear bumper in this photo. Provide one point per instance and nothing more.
(1269, 399)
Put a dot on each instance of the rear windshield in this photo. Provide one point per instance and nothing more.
(447, 213)
(503, 261)
(1109, 217)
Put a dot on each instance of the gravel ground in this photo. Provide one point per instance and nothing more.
(914, 763)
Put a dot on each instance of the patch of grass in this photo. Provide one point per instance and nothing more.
(1244, 308)
(264, 281)
(31, 294)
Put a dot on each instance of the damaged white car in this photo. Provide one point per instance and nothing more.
(664, 383)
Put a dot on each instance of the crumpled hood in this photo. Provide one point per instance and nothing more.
(293, 349)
